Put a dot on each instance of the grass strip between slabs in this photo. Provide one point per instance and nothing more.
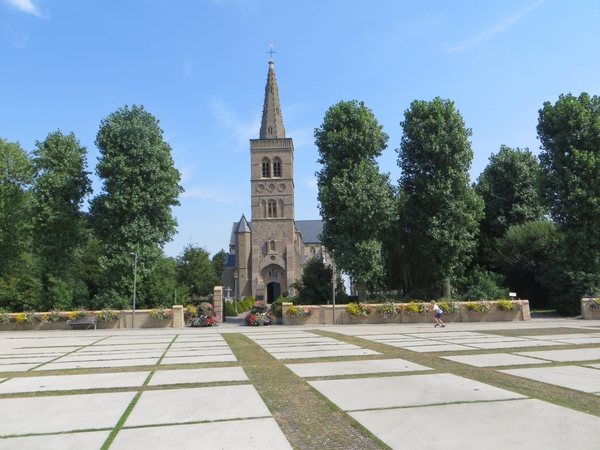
(308, 419)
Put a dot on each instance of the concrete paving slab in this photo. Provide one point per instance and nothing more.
(72, 382)
(17, 367)
(198, 359)
(72, 441)
(310, 348)
(578, 354)
(38, 351)
(480, 340)
(74, 357)
(327, 369)
(28, 360)
(522, 424)
(98, 364)
(292, 342)
(180, 376)
(199, 352)
(66, 413)
(510, 344)
(438, 347)
(126, 348)
(196, 404)
(254, 434)
(446, 333)
(324, 354)
(102, 351)
(580, 341)
(579, 378)
(546, 337)
(595, 366)
(493, 359)
(408, 390)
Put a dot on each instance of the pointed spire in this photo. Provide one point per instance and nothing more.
(272, 123)
(243, 226)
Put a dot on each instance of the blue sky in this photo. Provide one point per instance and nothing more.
(200, 67)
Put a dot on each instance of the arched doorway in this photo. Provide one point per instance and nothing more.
(273, 291)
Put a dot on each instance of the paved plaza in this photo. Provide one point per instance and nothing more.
(533, 385)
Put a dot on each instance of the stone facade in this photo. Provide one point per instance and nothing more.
(266, 255)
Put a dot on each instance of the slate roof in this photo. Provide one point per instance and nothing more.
(310, 230)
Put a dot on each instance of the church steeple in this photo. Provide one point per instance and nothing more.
(272, 123)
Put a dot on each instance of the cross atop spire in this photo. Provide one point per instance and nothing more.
(272, 122)
(271, 52)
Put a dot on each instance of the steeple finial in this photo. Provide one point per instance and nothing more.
(271, 52)
(272, 123)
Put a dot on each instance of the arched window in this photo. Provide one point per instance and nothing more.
(266, 168)
(277, 168)
(273, 273)
(263, 209)
(272, 246)
(272, 209)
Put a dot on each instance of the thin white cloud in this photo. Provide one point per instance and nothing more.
(241, 130)
(311, 183)
(496, 29)
(214, 194)
(28, 6)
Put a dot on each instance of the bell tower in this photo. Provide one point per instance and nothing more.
(275, 258)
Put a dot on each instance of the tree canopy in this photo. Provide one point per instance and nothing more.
(440, 211)
(355, 200)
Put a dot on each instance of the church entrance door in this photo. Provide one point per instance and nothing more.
(273, 292)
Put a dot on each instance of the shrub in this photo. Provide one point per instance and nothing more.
(230, 310)
(595, 304)
(387, 309)
(4, 317)
(357, 309)
(161, 313)
(204, 321)
(299, 311)
(448, 307)
(107, 315)
(478, 307)
(260, 319)
(80, 313)
(507, 305)
(415, 307)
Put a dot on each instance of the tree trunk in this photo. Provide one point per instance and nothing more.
(447, 289)
(362, 291)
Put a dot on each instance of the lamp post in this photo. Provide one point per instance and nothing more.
(235, 289)
(333, 281)
(134, 288)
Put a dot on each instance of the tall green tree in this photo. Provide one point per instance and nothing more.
(61, 184)
(195, 270)
(218, 262)
(440, 210)
(569, 132)
(355, 200)
(315, 286)
(140, 185)
(16, 175)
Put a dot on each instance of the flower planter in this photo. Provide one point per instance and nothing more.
(109, 325)
(419, 318)
(300, 320)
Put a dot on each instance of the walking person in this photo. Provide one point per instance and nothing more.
(438, 314)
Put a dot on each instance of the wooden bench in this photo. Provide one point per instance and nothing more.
(83, 321)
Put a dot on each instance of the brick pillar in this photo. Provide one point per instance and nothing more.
(178, 320)
(218, 303)
(287, 320)
(526, 311)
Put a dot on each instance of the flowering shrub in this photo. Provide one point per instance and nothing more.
(29, 317)
(595, 304)
(4, 317)
(357, 309)
(107, 315)
(81, 313)
(161, 314)
(204, 321)
(260, 319)
(189, 310)
(386, 309)
(299, 311)
(413, 308)
(507, 305)
(449, 307)
(478, 307)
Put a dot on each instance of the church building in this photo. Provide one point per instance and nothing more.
(266, 254)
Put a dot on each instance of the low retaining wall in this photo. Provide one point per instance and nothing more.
(587, 309)
(323, 315)
(142, 320)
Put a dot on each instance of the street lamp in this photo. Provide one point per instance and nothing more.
(134, 288)
(235, 294)
(333, 281)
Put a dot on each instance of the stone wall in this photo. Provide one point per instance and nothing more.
(142, 320)
(587, 312)
(323, 315)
